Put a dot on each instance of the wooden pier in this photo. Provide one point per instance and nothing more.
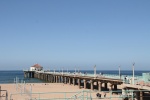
(85, 81)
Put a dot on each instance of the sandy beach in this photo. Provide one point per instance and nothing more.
(49, 91)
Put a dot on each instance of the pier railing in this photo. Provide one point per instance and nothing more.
(128, 80)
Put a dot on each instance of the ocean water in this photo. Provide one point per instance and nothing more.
(8, 76)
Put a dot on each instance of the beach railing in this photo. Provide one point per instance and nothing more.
(3, 94)
(21, 87)
(53, 96)
(121, 95)
(89, 95)
(81, 96)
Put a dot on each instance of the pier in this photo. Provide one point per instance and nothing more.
(96, 82)
(92, 82)
(83, 81)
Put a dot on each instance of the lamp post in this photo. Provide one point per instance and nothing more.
(54, 70)
(75, 70)
(62, 70)
(119, 73)
(133, 73)
(95, 70)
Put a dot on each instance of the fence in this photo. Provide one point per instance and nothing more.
(88, 95)
(21, 88)
(25, 93)
(54, 96)
(3, 94)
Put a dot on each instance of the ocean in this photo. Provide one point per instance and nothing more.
(7, 77)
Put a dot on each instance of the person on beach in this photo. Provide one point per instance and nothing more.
(125, 79)
(98, 95)
(104, 94)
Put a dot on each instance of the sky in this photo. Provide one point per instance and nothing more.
(73, 34)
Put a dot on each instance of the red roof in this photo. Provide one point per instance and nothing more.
(37, 66)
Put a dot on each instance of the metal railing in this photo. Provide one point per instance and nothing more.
(3, 94)
(88, 95)
(53, 96)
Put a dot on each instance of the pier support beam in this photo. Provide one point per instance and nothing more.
(105, 86)
(141, 95)
(41, 75)
(69, 81)
(99, 86)
(110, 87)
(84, 83)
(45, 77)
(123, 90)
(60, 79)
(79, 83)
(25, 75)
(115, 86)
(74, 81)
(91, 81)
(65, 79)
(56, 79)
(48, 78)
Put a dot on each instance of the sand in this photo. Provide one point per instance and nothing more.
(49, 91)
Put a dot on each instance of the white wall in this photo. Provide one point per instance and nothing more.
(35, 69)
(32, 68)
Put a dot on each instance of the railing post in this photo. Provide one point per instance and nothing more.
(110, 94)
(17, 83)
(65, 96)
(21, 88)
(0, 92)
(132, 95)
(83, 95)
(30, 91)
(39, 96)
(90, 96)
(14, 82)
(24, 87)
(10, 96)
(86, 95)
(6, 95)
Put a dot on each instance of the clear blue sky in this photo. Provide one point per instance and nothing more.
(75, 33)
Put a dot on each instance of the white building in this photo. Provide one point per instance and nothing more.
(36, 67)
